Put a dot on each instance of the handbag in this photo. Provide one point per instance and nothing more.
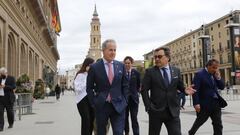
(222, 101)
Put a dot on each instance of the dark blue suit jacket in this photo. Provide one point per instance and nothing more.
(207, 87)
(98, 86)
(10, 85)
(134, 85)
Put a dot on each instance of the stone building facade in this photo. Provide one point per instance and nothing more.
(187, 52)
(28, 37)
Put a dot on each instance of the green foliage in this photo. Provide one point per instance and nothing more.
(39, 89)
(23, 84)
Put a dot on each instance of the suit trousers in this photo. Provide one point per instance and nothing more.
(156, 118)
(87, 115)
(6, 103)
(133, 109)
(108, 112)
(214, 113)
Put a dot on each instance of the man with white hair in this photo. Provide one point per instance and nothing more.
(7, 97)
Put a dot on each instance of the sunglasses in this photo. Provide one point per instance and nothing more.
(158, 56)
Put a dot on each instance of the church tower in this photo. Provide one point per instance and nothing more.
(95, 37)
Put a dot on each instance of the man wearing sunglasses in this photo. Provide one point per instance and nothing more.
(163, 81)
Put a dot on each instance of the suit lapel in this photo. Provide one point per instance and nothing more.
(102, 66)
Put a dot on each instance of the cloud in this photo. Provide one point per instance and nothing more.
(138, 26)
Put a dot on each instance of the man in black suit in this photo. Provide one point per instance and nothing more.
(162, 105)
(7, 97)
(207, 82)
(133, 77)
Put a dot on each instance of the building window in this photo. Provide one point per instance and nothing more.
(228, 44)
(219, 25)
(212, 37)
(219, 34)
(227, 31)
(229, 57)
(221, 59)
(195, 64)
(220, 46)
(200, 63)
(193, 36)
(94, 40)
(211, 28)
(227, 21)
(193, 44)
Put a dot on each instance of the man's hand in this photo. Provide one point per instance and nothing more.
(197, 108)
(2, 86)
(189, 90)
(217, 75)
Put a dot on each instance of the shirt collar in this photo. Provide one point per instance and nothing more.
(105, 61)
(166, 67)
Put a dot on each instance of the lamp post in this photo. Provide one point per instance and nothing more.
(234, 28)
(206, 46)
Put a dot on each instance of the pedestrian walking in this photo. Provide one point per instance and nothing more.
(84, 108)
(7, 97)
(57, 91)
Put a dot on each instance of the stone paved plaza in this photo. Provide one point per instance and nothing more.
(51, 117)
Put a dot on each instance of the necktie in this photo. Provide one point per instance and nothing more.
(128, 75)
(110, 78)
(110, 73)
(165, 76)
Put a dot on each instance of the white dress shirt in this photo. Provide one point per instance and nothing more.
(80, 83)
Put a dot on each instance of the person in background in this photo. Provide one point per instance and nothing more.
(182, 99)
(207, 81)
(57, 91)
(84, 108)
(47, 91)
(133, 77)
(7, 97)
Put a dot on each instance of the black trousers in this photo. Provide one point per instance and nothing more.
(87, 115)
(214, 113)
(156, 119)
(6, 103)
(133, 109)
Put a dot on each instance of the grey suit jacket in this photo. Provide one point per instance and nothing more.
(161, 97)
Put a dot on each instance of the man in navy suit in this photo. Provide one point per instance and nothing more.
(133, 77)
(7, 97)
(207, 82)
(107, 88)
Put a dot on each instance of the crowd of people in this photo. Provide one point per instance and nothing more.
(107, 91)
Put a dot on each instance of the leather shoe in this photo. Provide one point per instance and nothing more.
(10, 126)
(1, 129)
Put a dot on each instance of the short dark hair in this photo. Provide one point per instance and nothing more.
(128, 58)
(166, 52)
(211, 61)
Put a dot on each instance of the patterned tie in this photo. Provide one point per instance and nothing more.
(110, 78)
(110, 73)
(165, 76)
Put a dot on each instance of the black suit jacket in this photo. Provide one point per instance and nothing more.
(10, 85)
(161, 97)
(134, 85)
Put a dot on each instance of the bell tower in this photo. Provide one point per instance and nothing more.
(95, 37)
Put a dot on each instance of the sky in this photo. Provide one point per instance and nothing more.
(138, 26)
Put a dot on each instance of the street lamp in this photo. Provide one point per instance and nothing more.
(206, 46)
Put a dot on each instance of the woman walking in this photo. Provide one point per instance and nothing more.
(85, 110)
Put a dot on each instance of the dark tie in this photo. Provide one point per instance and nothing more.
(165, 76)
(128, 75)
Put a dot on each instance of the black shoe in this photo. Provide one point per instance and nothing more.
(10, 126)
(1, 129)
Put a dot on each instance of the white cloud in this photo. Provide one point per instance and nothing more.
(138, 26)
